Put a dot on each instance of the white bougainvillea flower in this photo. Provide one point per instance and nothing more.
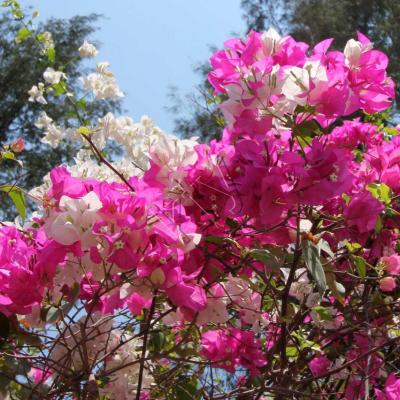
(353, 51)
(51, 76)
(53, 135)
(87, 49)
(76, 219)
(272, 41)
(44, 121)
(47, 40)
(36, 94)
(102, 83)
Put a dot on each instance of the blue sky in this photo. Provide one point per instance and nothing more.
(152, 44)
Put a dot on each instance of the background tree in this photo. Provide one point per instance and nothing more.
(306, 20)
(197, 113)
(21, 67)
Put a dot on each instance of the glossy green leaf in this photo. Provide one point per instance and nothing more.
(324, 245)
(323, 313)
(18, 198)
(381, 192)
(22, 34)
(291, 351)
(53, 315)
(261, 255)
(335, 287)
(361, 266)
(9, 155)
(51, 55)
(313, 263)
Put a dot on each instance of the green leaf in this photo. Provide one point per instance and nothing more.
(378, 224)
(40, 37)
(9, 155)
(81, 104)
(53, 315)
(361, 266)
(218, 240)
(324, 245)
(313, 263)
(390, 212)
(261, 255)
(266, 257)
(358, 156)
(390, 131)
(381, 192)
(352, 247)
(346, 198)
(323, 313)
(59, 88)
(307, 129)
(18, 198)
(51, 55)
(157, 342)
(22, 34)
(186, 390)
(220, 120)
(84, 130)
(18, 14)
(214, 239)
(291, 351)
(232, 223)
(336, 288)
(305, 109)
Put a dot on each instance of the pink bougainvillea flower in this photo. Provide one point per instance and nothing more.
(391, 390)
(387, 284)
(362, 212)
(319, 365)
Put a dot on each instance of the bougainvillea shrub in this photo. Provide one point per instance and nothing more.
(264, 265)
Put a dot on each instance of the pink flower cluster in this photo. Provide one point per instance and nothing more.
(266, 77)
(105, 226)
(231, 348)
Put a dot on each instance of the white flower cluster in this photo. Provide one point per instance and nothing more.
(93, 338)
(52, 77)
(52, 134)
(102, 83)
(36, 92)
(123, 382)
(87, 50)
(140, 141)
(47, 41)
(89, 333)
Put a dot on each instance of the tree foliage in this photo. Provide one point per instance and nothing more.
(21, 66)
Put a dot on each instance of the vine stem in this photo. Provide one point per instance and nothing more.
(296, 258)
(107, 163)
(96, 151)
(144, 348)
